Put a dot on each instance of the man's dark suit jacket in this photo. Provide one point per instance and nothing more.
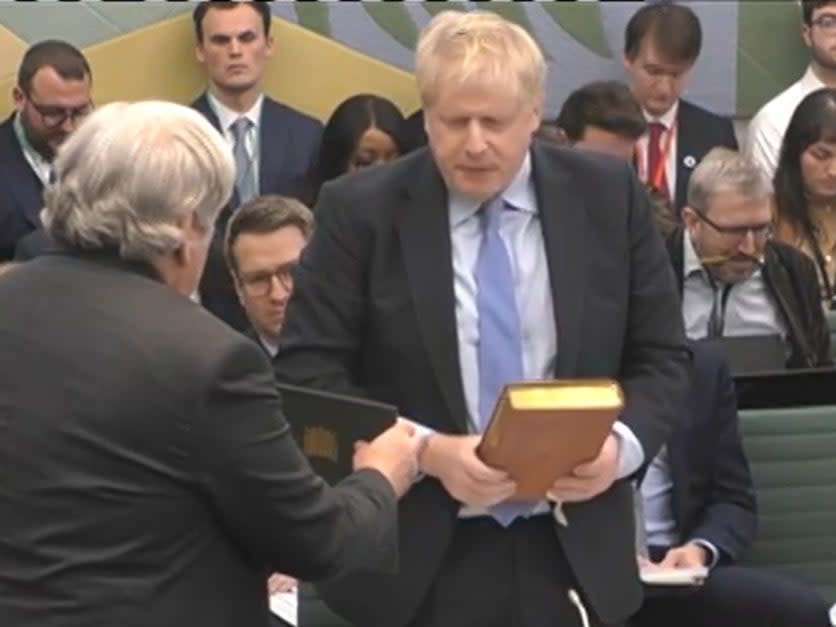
(713, 494)
(20, 192)
(372, 313)
(791, 279)
(34, 244)
(698, 131)
(288, 146)
(149, 476)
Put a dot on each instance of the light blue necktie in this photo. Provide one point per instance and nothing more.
(244, 172)
(500, 338)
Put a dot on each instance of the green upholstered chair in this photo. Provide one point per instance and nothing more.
(792, 452)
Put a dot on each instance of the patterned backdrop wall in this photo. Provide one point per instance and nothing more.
(327, 51)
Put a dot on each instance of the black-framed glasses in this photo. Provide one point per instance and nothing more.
(53, 117)
(759, 231)
(261, 283)
(826, 22)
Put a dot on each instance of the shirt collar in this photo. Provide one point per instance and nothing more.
(810, 82)
(271, 348)
(667, 119)
(520, 194)
(36, 159)
(226, 116)
(690, 262)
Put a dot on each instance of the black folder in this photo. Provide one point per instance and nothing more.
(326, 425)
(786, 388)
(751, 354)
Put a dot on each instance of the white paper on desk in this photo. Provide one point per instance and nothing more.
(285, 605)
(655, 576)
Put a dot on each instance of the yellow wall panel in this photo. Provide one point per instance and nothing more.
(307, 71)
(11, 50)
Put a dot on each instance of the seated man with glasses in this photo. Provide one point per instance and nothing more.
(51, 97)
(264, 239)
(734, 278)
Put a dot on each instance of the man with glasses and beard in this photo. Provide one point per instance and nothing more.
(734, 278)
(767, 128)
(51, 97)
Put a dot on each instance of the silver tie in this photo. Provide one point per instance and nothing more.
(244, 172)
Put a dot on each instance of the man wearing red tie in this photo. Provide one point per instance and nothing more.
(661, 45)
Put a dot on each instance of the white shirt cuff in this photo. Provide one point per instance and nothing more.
(715, 553)
(630, 451)
(423, 432)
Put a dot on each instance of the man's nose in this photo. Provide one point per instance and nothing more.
(475, 138)
(747, 245)
(69, 123)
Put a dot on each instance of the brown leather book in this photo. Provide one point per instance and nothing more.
(541, 430)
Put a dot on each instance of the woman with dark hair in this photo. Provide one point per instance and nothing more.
(805, 184)
(362, 131)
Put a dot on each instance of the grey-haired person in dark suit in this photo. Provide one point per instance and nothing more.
(149, 474)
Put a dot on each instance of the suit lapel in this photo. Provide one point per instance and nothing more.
(274, 143)
(30, 195)
(424, 232)
(202, 105)
(25, 186)
(564, 224)
(687, 140)
(675, 245)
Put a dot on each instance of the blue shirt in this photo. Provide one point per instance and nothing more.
(522, 233)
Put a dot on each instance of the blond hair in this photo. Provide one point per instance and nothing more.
(478, 47)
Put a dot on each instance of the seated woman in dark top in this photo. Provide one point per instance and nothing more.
(363, 130)
(805, 188)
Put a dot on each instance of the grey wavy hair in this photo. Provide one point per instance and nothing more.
(724, 170)
(130, 173)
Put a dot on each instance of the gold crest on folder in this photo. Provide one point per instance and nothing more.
(320, 442)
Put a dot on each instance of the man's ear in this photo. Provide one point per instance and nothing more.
(199, 53)
(18, 97)
(690, 219)
(807, 35)
(192, 230)
(238, 289)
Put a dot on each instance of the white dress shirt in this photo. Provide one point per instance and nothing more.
(668, 120)
(656, 509)
(767, 128)
(656, 492)
(40, 166)
(227, 117)
(749, 309)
